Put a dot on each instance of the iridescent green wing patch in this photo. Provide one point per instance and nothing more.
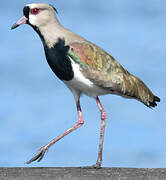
(104, 71)
(74, 56)
(95, 58)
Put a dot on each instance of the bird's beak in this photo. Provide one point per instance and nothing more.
(23, 20)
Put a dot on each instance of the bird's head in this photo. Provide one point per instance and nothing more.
(36, 15)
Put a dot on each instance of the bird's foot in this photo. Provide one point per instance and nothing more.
(96, 166)
(39, 156)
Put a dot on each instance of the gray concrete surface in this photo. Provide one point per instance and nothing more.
(81, 174)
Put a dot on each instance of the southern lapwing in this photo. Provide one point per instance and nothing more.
(84, 67)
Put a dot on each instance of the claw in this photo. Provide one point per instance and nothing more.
(39, 156)
(96, 166)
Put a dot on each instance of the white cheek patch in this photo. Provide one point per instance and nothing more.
(32, 19)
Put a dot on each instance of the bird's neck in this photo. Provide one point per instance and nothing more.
(50, 33)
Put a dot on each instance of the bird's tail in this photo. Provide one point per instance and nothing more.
(141, 92)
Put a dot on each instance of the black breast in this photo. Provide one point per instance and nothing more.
(59, 61)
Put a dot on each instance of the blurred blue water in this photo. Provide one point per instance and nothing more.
(36, 106)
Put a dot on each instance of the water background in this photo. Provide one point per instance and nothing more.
(36, 107)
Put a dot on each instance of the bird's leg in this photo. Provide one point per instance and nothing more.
(42, 151)
(103, 121)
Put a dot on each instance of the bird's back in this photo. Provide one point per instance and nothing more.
(105, 72)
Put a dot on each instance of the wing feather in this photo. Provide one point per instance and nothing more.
(104, 71)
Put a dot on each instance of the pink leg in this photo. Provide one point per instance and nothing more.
(39, 156)
(103, 121)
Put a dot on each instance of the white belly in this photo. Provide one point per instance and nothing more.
(83, 85)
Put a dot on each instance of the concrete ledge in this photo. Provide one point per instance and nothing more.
(68, 173)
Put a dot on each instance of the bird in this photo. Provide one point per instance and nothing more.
(83, 67)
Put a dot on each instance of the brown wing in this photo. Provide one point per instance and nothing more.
(104, 71)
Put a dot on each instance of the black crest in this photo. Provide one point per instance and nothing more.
(54, 8)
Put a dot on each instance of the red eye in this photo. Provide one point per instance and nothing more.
(35, 11)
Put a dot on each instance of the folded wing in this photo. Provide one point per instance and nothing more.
(104, 71)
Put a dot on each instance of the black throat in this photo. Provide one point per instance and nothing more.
(59, 61)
